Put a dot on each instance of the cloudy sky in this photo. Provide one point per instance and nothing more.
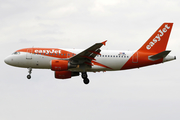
(149, 93)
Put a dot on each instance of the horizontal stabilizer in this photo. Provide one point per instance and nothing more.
(159, 55)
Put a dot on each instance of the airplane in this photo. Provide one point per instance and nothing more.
(67, 63)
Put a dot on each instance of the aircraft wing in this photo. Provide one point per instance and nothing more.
(87, 55)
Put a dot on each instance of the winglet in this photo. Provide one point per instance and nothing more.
(104, 43)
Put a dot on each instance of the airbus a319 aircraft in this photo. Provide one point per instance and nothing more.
(67, 63)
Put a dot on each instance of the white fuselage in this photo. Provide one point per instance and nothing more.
(112, 59)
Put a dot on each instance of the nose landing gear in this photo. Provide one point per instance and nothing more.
(85, 79)
(29, 71)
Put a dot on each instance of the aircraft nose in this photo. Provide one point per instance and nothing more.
(7, 60)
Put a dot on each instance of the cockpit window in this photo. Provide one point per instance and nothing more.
(16, 53)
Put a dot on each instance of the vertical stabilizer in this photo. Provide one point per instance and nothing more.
(158, 41)
(154, 49)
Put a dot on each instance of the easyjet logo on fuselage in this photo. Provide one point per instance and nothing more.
(48, 51)
(158, 37)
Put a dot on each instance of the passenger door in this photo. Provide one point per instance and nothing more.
(29, 53)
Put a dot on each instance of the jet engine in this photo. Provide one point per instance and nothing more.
(65, 74)
(61, 65)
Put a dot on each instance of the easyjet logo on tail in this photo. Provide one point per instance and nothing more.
(158, 37)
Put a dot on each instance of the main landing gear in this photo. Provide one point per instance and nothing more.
(29, 71)
(85, 79)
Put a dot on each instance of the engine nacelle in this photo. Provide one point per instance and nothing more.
(65, 74)
(59, 65)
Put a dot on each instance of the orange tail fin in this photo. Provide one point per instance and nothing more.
(158, 41)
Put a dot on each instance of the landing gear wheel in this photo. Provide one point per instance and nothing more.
(29, 71)
(84, 75)
(28, 76)
(86, 81)
(85, 78)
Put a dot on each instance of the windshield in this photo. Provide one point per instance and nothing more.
(16, 53)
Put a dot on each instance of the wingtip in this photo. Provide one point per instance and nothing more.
(104, 43)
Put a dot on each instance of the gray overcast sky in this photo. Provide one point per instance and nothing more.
(149, 93)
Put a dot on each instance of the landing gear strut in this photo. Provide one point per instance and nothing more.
(29, 71)
(85, 79)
